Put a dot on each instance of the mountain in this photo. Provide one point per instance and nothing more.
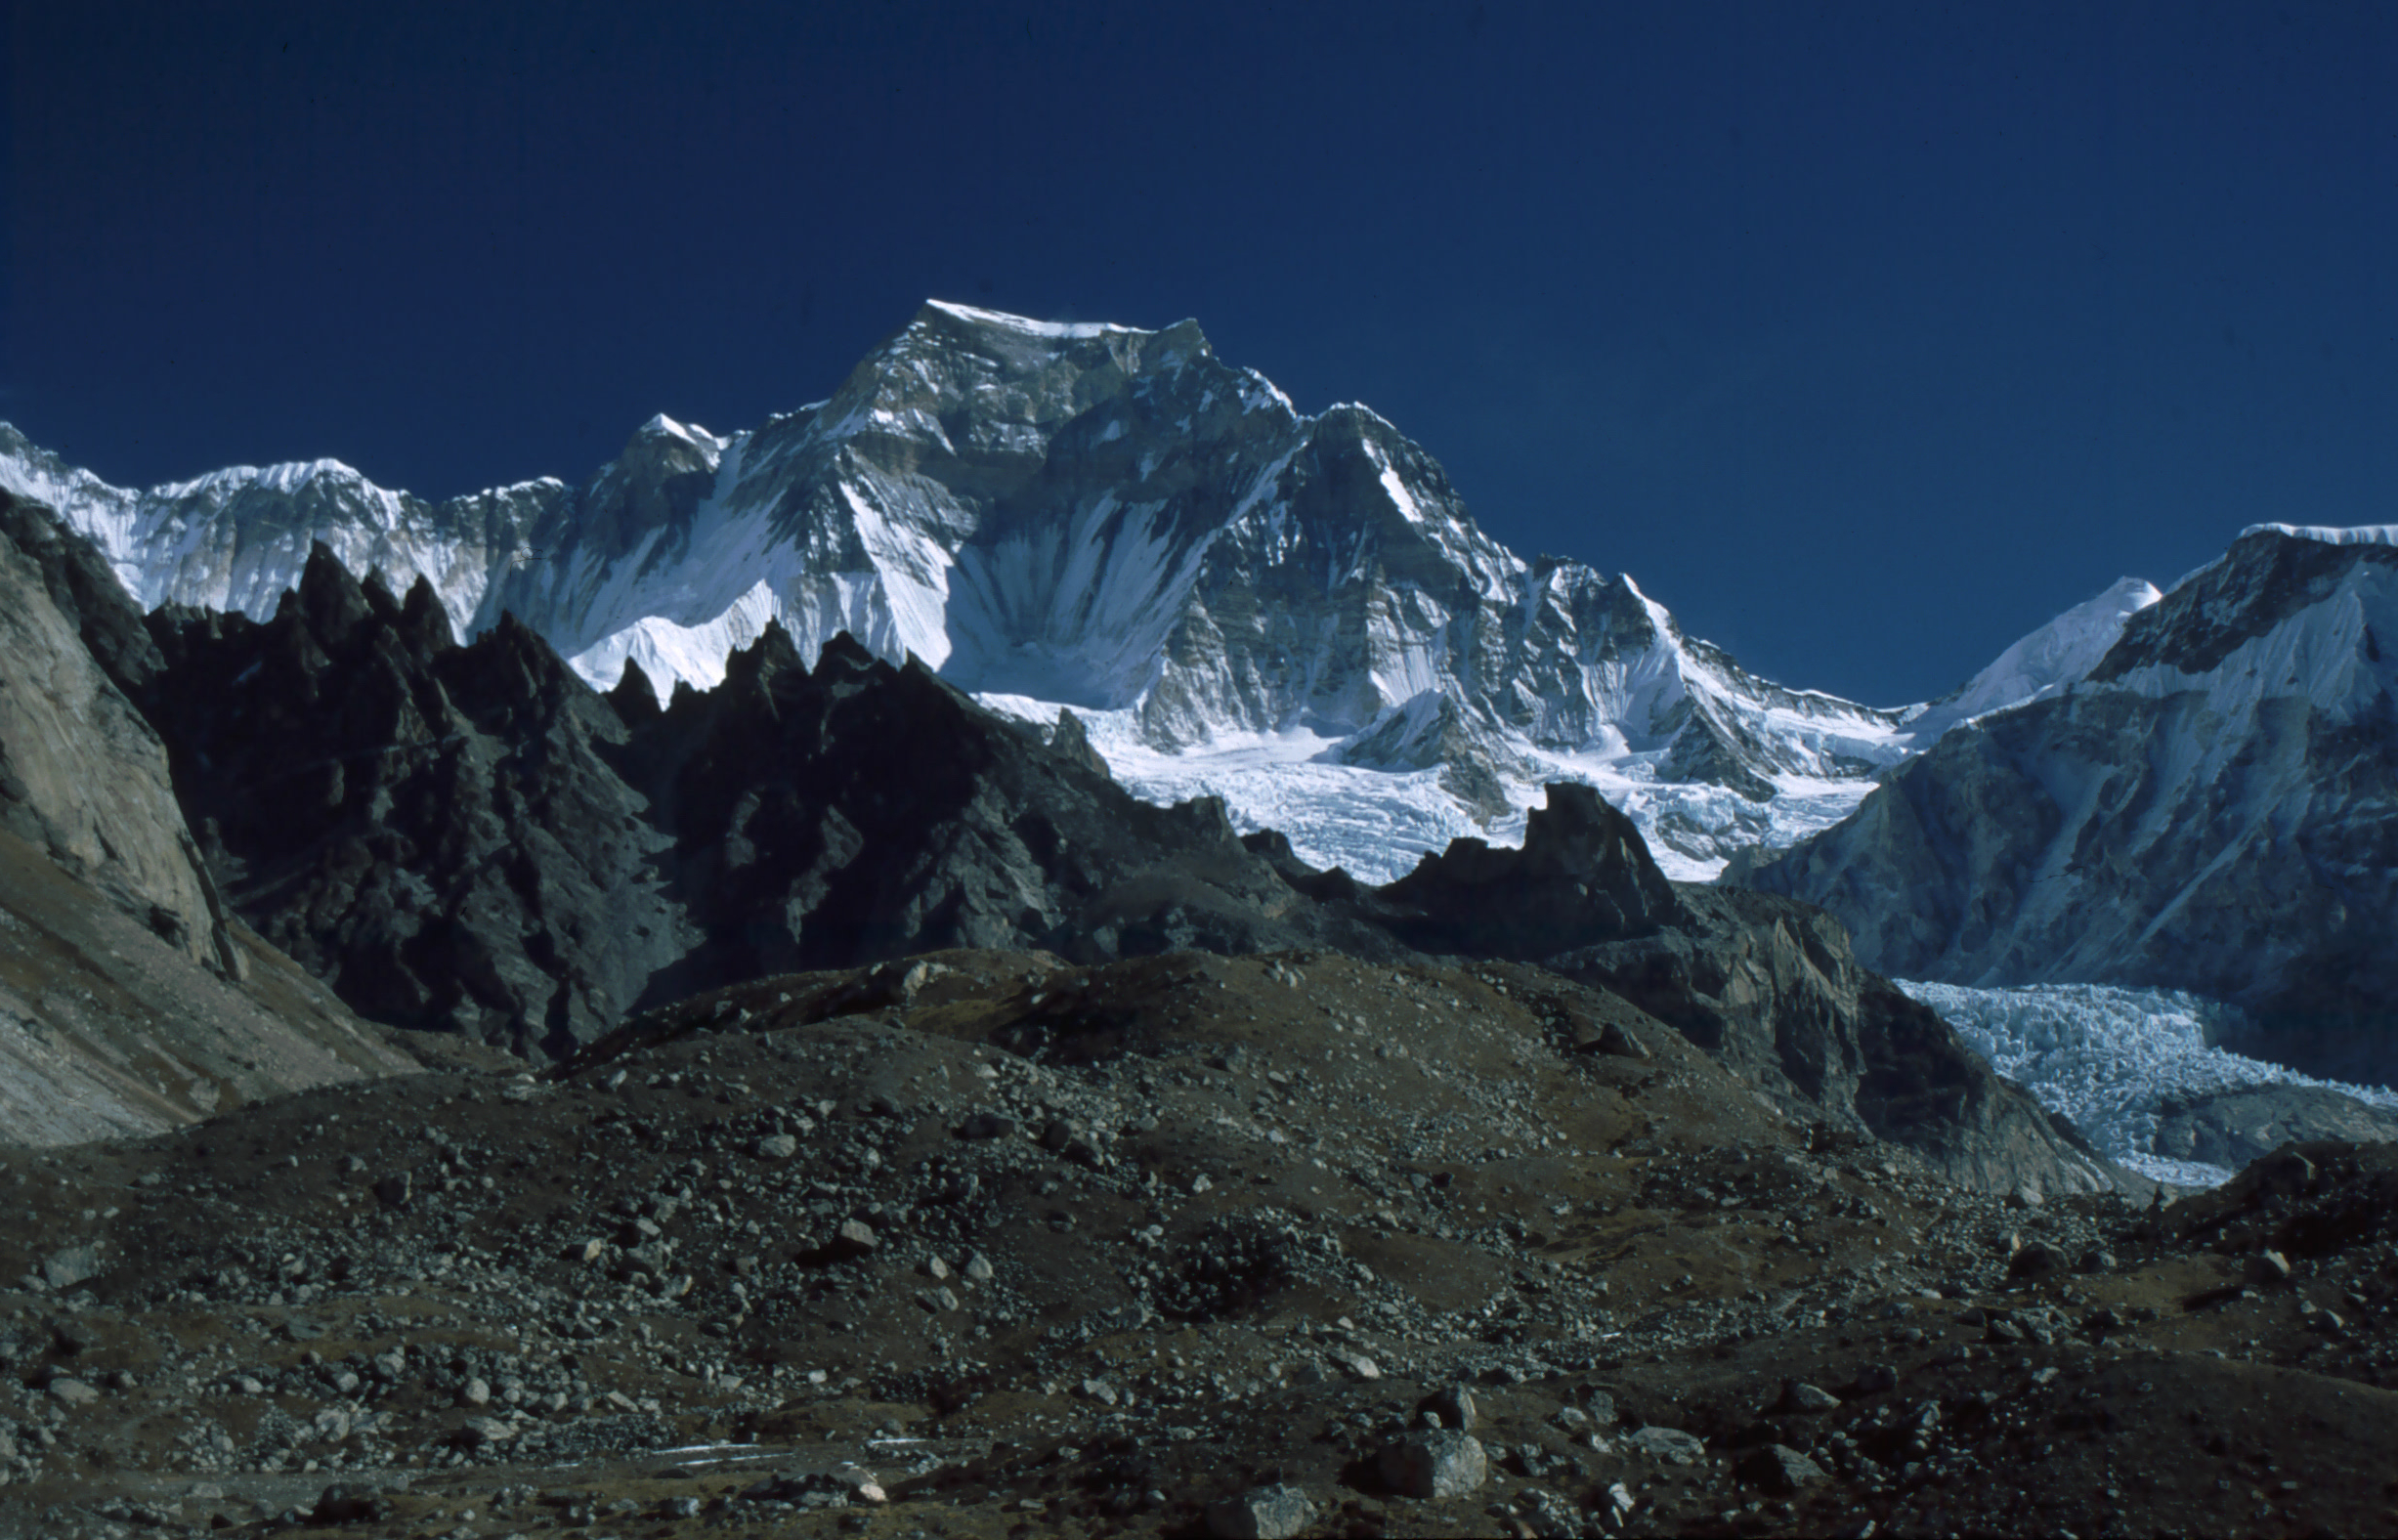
(131, 998)
(1293, 611)
(2212, 807)
(469, 838)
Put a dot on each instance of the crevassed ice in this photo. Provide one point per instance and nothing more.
(2106, 1058)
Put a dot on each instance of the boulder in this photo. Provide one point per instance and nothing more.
(1434, 1463)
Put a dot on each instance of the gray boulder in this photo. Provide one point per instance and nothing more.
(1263, 1513)
(1434, 1463)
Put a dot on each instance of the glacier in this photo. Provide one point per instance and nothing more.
(2106, 1058)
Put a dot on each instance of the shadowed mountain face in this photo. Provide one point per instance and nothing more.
(130, 999)
(470, 838)
(429, 827)
(2215, 808)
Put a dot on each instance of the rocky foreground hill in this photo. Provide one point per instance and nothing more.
(984, 1243)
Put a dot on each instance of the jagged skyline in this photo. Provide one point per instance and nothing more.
(1831, 328)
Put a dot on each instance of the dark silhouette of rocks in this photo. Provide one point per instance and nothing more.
(429, 829)
(472, 840)
(1584, 876)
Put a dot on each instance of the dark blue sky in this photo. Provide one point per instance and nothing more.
(1864, 337)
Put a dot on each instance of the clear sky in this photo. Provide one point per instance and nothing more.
(1865, 337)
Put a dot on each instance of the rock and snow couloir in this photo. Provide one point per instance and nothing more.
(1293, 611)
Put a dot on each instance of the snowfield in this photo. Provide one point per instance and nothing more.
(2107, 1057)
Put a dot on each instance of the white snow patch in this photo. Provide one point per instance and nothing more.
(1377, 824)
(1025, 324)
(2355, 535)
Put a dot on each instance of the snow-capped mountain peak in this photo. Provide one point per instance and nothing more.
(2324, 534)
(2213, 805)
(1073, 514)
(2045, 661)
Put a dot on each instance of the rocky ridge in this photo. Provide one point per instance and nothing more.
(469, 838)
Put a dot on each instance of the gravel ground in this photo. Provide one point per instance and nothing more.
(980, 1244)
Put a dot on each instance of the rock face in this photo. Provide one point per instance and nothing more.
(472, 840)
(82, 776)
(2231, 1128)
(2213, 808)
(432, 829)
(1584, 874)
(1773, 989)
(129, 999)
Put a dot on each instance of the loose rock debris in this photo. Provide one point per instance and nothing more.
(1296, 1245)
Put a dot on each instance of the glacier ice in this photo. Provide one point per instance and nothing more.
(2106, 1058)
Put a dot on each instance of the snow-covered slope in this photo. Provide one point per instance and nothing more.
(2043, 663)
(1294, 612)
(2212, 807)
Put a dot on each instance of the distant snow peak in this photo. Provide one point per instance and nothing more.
(1112, 519)
(2048, 660)
(1023, 323)
(2355, 535)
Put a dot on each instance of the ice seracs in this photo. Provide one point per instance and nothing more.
(2110, 1058)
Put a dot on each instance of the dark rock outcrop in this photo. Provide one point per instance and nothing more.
(1769, 987)
(1773, 989)
(429, 829)
(1583, 875)
(2231, 1128)
(471, 838)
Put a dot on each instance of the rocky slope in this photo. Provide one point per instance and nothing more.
(2214, 807)
(82, 776)
(1297, 610)
(130, 998)
(984, 1244)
